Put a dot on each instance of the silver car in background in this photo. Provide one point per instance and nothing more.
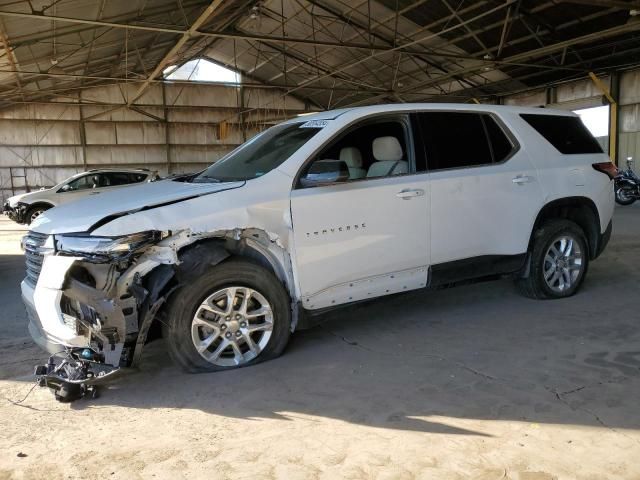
(26, 207)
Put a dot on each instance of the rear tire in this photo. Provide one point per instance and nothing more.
(622, 198)
(559, 260)
(206, 332)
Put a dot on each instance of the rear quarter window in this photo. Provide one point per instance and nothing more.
(567, 134)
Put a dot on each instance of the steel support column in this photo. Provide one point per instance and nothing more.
(613, 113)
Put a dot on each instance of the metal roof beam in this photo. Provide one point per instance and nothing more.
(411, 43)
(423, 56)
(259, 85)
(607, 4)
(540, 52)
(10, 56)
(195, 33)
(186, 36)
(111, 22)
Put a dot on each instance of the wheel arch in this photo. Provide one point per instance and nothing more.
(251, 244)
(192, 259)
(581, 210)
(40, 203)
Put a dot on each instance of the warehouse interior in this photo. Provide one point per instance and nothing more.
(471, 382)
(89, 83)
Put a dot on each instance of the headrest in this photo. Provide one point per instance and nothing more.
(352, 156)
(387, 149)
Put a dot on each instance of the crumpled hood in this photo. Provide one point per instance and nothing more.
(82, 215)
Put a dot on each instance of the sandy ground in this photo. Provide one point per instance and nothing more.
(471, 382)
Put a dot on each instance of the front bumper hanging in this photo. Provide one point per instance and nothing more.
(17, 214)
(74, 374)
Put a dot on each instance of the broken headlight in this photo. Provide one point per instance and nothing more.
(111, 246)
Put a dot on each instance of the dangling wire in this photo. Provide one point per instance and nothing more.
(18, 402)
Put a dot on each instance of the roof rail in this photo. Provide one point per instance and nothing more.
(117, 169)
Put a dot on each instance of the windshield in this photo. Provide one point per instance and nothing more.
(259, 155)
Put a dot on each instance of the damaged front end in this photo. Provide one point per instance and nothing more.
(91, 300)
(87, 304)
(17, 213)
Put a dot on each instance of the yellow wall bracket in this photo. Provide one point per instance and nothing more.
(613, 116)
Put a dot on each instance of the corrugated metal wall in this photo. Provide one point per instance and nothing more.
(171, 128)
(175, 128)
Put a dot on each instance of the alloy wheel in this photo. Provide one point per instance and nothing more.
(563, 263)
(623, 195)
(232, 326)
(35, 214)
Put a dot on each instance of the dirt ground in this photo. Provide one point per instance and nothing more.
(471, 382)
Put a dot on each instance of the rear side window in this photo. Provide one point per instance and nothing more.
(567, 134)
(116, 178)
(462, 139)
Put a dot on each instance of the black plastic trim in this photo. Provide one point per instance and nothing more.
(603, 240)
(475, 267)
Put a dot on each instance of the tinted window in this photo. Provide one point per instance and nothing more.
(116, 178)
(454, 139)
(501, 146)
(567, 134)
(98, 181)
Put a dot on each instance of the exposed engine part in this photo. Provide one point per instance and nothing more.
(74, 374)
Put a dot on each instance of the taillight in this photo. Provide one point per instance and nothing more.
(608, 168)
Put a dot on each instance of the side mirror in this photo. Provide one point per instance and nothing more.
(325, 172)
(65, 188)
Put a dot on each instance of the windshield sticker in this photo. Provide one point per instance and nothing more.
(315, 124)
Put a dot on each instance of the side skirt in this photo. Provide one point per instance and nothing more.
(441, 275)
(475, 268)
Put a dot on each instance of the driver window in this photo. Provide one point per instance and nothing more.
(81, 183)
(372, 150)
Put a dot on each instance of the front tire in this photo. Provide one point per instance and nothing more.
(235, 315)
(559, 261)
(35, 212)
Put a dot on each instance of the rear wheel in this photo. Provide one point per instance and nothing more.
(624, 197)
(559, 261)
(235, 315)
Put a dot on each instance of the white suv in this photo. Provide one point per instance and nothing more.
(26, 207)
(316, 212)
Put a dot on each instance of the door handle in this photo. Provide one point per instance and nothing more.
(407, 194)
(522, 179)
